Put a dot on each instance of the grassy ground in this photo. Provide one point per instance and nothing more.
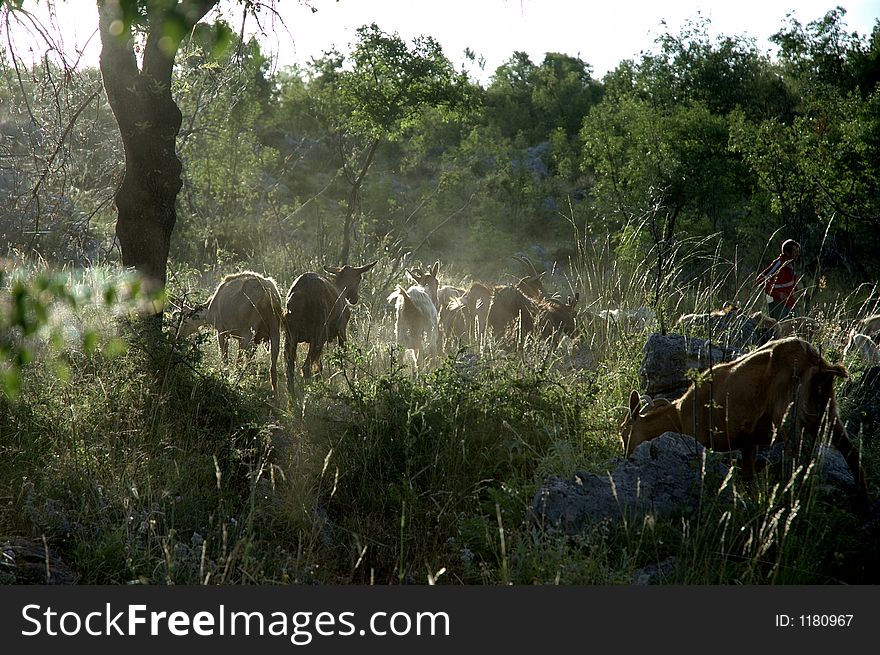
(159, 465)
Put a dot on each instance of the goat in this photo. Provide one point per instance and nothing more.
(510, 313)
(318, 311)
(429, 281)
(747, 400)
(731, 325)
(441, 296)
(532, 285)
(805, 327)
(870, 326)
(557, 318)
(415, 320)
(247, 307)
(466, 316)
(705, 320)
(866, 348)
(511, 309)
(639, 318)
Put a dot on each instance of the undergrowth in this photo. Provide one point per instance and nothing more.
(160, 465)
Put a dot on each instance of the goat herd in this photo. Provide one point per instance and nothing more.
(748, 401)
(247, 307)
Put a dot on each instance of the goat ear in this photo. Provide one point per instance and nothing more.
(414, 275)
(837, 370)
(366, 267)
(332, 269)
(635, 401)
(435, 269)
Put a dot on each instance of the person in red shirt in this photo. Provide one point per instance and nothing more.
(779, 281)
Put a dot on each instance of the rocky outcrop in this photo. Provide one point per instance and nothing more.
(664, 477)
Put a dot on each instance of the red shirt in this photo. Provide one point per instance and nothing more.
(779, 281)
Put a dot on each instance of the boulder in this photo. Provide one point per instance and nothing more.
(860, 403)
(23, 561)
(666, 359)
(834, 479)
(664, 477)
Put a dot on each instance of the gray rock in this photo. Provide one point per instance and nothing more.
(662, 478)
(833, 475)
(24, 561)
(667, 358)
(860, 403)
(656, 573)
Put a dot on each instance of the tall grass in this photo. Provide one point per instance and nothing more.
(161, 465)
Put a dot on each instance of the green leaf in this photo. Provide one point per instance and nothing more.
(62, 371)
(11, 382)
(111, 295)
(115, 347)
(223, 36)
(90, 342)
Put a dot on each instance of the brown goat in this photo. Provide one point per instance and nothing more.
(510, 313)
(511, 309)
(318, 311)
(466, 316)
(557, 318)
(247, 307)
(747, 401)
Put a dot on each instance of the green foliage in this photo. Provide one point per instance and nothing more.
(139, 469)
(409, 459)
(36, 312)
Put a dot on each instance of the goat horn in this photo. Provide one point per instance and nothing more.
(525, 260)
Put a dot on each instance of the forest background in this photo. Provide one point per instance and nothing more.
(667, 183)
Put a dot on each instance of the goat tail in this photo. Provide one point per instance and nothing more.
(397, 296)
(838, 370)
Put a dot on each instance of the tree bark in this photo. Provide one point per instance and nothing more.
(149, 121)
(354, 202)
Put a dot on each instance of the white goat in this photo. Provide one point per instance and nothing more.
(870, 326)
(247, 307)
(865, 347)
(639, 318)
(415, 321)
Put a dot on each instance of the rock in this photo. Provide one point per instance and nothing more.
(667, 358)
(662, 478)
(655, 573)
(23, 561)
(859, 402)
(834, 479)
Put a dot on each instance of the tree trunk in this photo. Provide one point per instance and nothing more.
(149, 121)
(354, 202)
